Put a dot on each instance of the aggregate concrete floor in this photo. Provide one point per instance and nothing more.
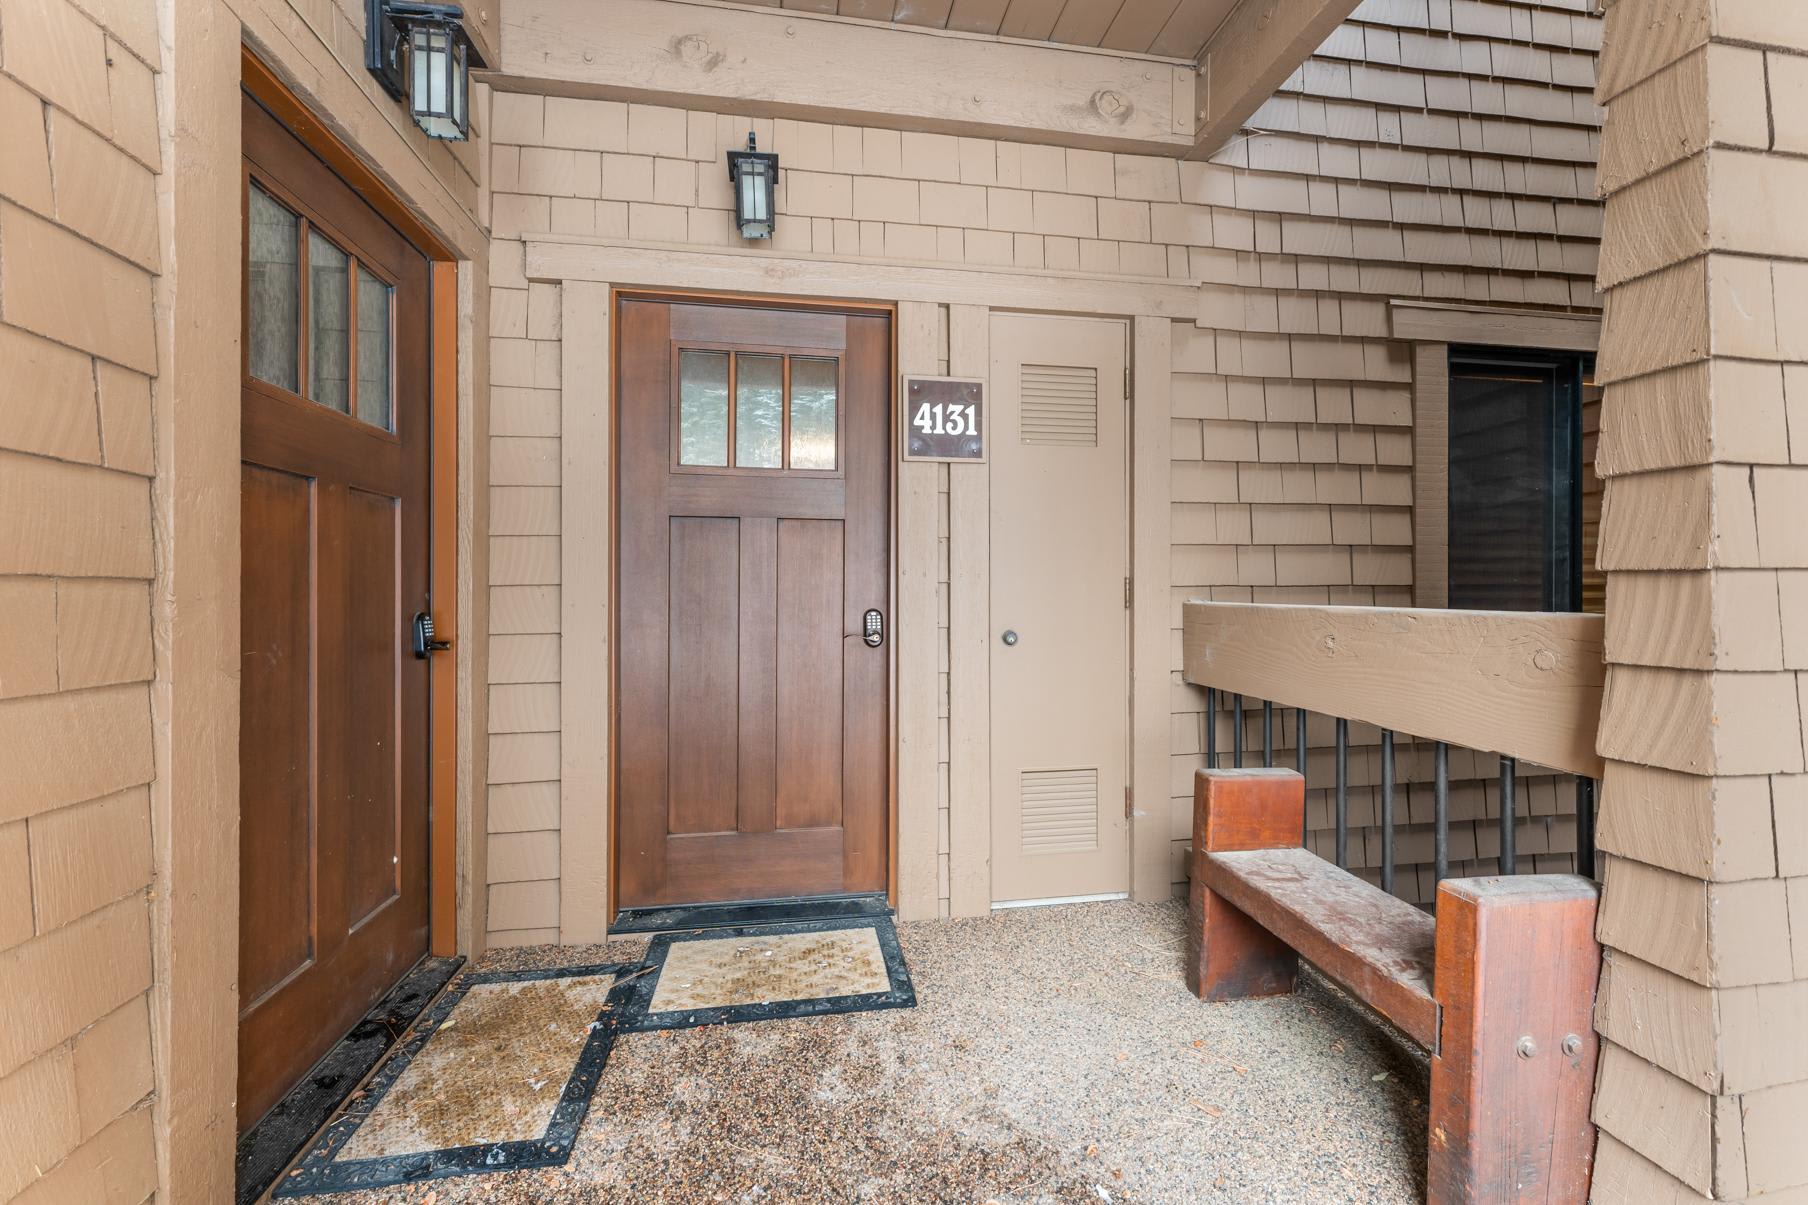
(1055, 1055)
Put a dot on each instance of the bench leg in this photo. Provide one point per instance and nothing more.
(1229, 956)
(1511, 1081)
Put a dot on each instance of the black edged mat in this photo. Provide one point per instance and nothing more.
(749, 912)
(268, 1146)
(323, 1170)
(645, 1012)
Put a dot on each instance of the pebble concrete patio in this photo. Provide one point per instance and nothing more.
(1055, 1055)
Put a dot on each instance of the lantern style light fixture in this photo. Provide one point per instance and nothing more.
(754, 175)
(419, 52)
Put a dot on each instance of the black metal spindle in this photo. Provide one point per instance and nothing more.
(1343, 793)
(1268, 734)
(1441, 808)
(1387, 810)
(1211, 728)
(1509, 769)
(1299, 764)
(1585, 826)
(1236, 711)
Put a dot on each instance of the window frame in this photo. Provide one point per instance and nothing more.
(786, 354)
(1430, 330)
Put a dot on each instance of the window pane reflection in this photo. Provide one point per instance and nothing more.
(703, 407)
(759, 411)
(329, 334)
(373, 351)
(813, 389)
(275, 293)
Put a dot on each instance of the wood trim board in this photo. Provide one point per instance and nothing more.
(969, 627)
(1151, 649)
(1494, 326)
(1431, 474)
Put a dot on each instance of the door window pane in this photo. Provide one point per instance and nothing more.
(275, 293)
(703, 407)
(759, 411)
(1513, 482)
(373, 351)
(329, 333)
(814, 384)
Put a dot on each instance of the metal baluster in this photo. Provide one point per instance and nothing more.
(1585, 826)
(1268, 734)
(1299, 763)
(1236, 712)
(1387, 810)
(1509, 768)
(1343, 793)
(1441, 808)
(1211, 728)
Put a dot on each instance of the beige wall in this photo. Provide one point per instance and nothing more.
(119, 315)
(1703, 1089)
(1407, 159)
(79, 254)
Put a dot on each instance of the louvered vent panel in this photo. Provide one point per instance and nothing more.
(1060, 810)
(1060, 405)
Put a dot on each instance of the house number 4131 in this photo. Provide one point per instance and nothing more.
(944, 418)
(947, 419)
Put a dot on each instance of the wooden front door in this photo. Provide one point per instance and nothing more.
(753, 502)
(334, 505)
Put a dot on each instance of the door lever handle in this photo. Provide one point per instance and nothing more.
(424, 643)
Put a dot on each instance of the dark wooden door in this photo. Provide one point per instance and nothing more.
(753, 500)
(334, 505)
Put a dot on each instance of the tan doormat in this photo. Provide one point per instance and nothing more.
(769, 972)
(497, 1077)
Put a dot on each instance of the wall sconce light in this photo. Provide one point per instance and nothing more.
(419, 53)
(754, 176)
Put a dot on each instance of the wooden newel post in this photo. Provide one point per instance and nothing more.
(1511, 1080)
(1229, 956)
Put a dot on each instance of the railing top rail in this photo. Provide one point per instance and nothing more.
(1524, 684)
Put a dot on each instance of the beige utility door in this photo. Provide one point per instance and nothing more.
(1060, 629)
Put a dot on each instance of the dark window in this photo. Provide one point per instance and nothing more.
(1517, 480)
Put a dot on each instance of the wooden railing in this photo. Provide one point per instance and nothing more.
(1503, 688)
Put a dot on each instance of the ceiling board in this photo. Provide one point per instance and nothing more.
(1173, 28)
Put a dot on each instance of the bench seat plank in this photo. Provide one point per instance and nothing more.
(1379, 947)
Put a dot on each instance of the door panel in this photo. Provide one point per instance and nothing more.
(753, 498)
(1059, 561)
(333, 736)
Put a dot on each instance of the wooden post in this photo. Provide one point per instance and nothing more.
(1229, 956)
(1511, 1080)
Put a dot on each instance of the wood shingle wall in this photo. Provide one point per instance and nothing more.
(1431, 149)
(79, 254)
(1704, 450)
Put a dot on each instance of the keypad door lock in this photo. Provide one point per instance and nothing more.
(424, 643)
(874, 628)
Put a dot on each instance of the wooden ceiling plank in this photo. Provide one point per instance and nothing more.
(1188, 27)
(867, 10)
(977, 16)
(1137, 25)
(1084, 22)
(1031, 19)
(930, 13)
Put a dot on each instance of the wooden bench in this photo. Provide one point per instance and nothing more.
(1499, 989)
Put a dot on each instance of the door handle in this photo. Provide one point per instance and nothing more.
(424, 643)
(873, 625)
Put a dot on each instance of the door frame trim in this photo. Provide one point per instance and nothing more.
(262, 84)
(760, 301)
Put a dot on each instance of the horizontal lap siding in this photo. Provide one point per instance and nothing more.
(78, 259)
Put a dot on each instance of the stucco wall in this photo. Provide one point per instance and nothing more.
(1408, 159)
(79, 253)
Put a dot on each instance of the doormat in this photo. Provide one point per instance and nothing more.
(769, 973)
(496, 1077)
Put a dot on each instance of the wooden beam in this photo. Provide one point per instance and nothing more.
(735, 58)
(1494, 325)
(1259, 45)
(576, 258)
(1524, 684)
(1431, 474)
